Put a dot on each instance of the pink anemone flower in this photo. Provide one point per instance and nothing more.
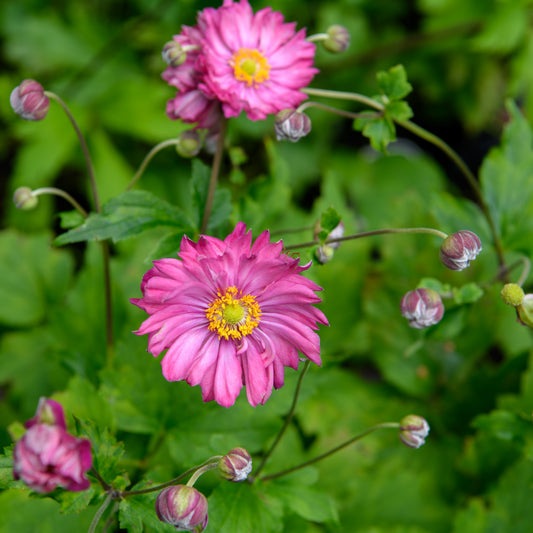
(230, 314)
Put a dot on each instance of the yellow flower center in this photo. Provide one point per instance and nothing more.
(250, 66)
(233, 315)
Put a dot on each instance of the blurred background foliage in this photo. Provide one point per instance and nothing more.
(471, 376)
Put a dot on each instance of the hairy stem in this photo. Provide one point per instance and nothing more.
(431, 231)
(215, 171)
(288, 419)
(149, 156)
(100, 512)
(332, 451)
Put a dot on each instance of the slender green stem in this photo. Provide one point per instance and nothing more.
(317, 37)
(431, 231)
(340, 95)
(334, 110)
(332, 451)
(202, 470)
(288, 420)
(525, 271)
(149, 156)
(108, 302)
(174, 481)
(215, 170)
(83, 144)
(63, 194)
(100, 512)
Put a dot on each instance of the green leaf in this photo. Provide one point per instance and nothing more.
(70, 219)
(398, 111)
(138, 510)
(128, 215)
(393, 83)
(241, 508)
(469, 293)
(74, 502)
(381, 131)
(6, 469)
(329, 219)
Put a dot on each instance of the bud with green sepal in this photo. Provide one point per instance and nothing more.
(173, 54)
(24, 199)
(236, 465)
(183, 507)
(413, 431)
(338, 39)
(189, 144)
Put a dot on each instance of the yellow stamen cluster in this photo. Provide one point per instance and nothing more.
(250, 66)
(233, 315)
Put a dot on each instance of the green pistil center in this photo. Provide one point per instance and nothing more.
(233, 313)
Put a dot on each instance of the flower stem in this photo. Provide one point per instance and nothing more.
(174, 481)
(202, 470)
(432, 231)
(436, 141)
(334, 110)
(100, 512)
(83, 144)
(332, 451)
(288, 419)
(215, 170)
(149, 156)
(63, 194)
(106, 486)
(525, 272)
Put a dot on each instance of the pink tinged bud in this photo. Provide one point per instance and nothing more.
(24, 199)
(173, 54)
(413, 431)
(29, 101)
(47, 457)
(458, 249)
(338, 40)
(183, 507)
(291, 125)
(48, 412)
(236, 465)
(422, 307)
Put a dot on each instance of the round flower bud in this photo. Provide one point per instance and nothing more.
(338, 40)
(173, 54)
(183, 507)
(236, 465)
(291, 125)
(422, 307)
(324, 253)
(413, 431)
(524, 311)
(189, 144)
(458, 249)
(24, 199)
(29, 101)
(512, 294)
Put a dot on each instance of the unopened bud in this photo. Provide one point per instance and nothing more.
(236, 465)
(183, 507)
(24, 199)
(324, 253)
(291, 125)
(173, 54)
(413, 431)
(458, 249)
(422, 307)
(512, 294)
(189, 144)
(29, 101)
(338, 40)
(524, 311)
(48, 412)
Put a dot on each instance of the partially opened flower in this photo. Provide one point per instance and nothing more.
(230, 313)
(255, 63)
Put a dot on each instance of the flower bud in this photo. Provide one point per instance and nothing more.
(413, 431)
(48, 412)
(291, 125)
(512, 294)
(29, 101)
(173, 54)
(338, 40)
(24, 199)
(183, 507)
(524, 311)
(235, 465)
(47, 457)
(189, 144)
(422, 307)
(324, 253)
(458, 249)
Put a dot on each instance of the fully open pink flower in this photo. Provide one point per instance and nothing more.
(240, 61)
(230, 313)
